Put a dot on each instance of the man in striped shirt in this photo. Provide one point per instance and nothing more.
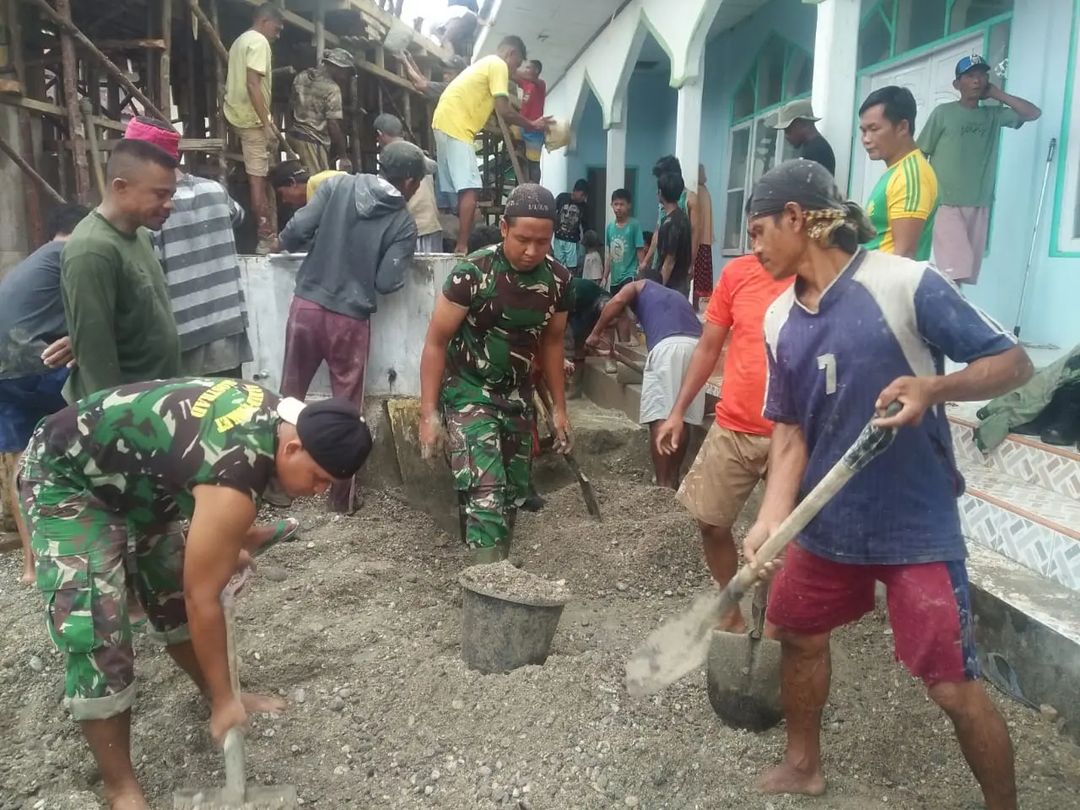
(903, 203)
(198, 253)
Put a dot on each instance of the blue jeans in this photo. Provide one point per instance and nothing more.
(25, 401)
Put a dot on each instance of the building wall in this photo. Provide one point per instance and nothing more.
(1038, 70)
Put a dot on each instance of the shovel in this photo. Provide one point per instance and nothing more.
(427, 483)
(588, 494)
(681, 644)
(743, 673)
(236, 794)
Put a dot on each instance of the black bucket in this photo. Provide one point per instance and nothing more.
(501, 632)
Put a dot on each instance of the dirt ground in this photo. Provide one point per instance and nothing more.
(357, 624)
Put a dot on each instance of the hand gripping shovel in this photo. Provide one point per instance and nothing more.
(237, 794)
(680, 645)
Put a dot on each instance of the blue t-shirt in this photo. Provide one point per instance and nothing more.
(883, 317)
(622, 243)
(663, 313)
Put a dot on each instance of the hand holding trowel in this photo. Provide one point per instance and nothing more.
(680, 645)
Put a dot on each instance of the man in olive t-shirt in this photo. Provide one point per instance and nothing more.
(116, 302)
(961, 140)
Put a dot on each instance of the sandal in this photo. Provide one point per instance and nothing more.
(285, 531)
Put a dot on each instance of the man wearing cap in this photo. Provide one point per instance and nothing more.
(317, 113)
(501, 309)
(198, 253)
(857, 331)
(105, 487)
(961, 140)
(422, 206)
(797, 120)
(359, 238)
(463, 110)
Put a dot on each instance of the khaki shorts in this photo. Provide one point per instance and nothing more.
(725, 472)
(255, 144)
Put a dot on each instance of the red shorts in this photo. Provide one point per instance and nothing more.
(929, 608)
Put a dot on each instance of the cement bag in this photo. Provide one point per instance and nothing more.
(557, 135)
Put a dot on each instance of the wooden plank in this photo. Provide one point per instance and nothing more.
(144, 44)
(62, 16)
(17, 159)
(165, 75)
(34, 222)
(54, 111)
(208, 27)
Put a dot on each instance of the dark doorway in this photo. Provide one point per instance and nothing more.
(600, 196)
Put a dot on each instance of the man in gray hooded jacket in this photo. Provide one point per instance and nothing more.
(360, 237)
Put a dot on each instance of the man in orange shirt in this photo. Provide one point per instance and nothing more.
(732, 460)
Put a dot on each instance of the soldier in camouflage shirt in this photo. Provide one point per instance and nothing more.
(501, 309)
(105, 485)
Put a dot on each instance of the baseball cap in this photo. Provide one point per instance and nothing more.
(332, 432)
(973, 62)
(403, 159)
(340, 57)
(800, 108)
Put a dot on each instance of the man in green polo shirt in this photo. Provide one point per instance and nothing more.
(116, 302)
(961, 140)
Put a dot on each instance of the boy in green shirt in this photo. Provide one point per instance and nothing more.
(625, 251)
(961, 140)
(116, 302)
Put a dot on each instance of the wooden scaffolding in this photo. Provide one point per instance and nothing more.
(76, 70)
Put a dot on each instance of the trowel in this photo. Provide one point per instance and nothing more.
(743, 673)
(681, 644)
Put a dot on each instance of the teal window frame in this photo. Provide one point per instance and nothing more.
(878, 8)
(754, 71)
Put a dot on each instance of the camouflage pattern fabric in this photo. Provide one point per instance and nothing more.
(315, 99)
(88, 560)
(103, 486)
(489, 359)
(142, 448)
(491, 459)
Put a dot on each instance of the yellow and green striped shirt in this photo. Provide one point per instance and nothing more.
(907, 190)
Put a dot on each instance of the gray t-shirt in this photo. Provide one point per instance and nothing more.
(31, 312)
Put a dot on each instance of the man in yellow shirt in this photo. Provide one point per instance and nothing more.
(463, 110)
(247, 109)
(904, 202)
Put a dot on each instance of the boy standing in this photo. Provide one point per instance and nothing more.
(533, 97)
(625, 251)
(673, 239)
(961, 139)
(569, 226)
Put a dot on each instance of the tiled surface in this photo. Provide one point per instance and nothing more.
(1053, 468)
(1026, 523)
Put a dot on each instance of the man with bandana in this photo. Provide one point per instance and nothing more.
(856, 332)
(501, 309)
(106, 485)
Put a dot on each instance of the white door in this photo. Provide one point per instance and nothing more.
(929, 78)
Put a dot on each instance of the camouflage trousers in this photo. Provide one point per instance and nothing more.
(89, 559)
(491, 459)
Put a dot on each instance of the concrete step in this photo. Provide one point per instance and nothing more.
(1023, 457)
(1026, 523)
(1034, 624)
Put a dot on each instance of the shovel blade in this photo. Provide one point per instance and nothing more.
(426, 483)
(256, 797)
(743, 680)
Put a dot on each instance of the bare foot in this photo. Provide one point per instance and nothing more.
(126, 799)
(262, 704)
(785, 778)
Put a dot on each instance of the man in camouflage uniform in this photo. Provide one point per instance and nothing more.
(317, 112)
(104, 486)
(501, 309)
